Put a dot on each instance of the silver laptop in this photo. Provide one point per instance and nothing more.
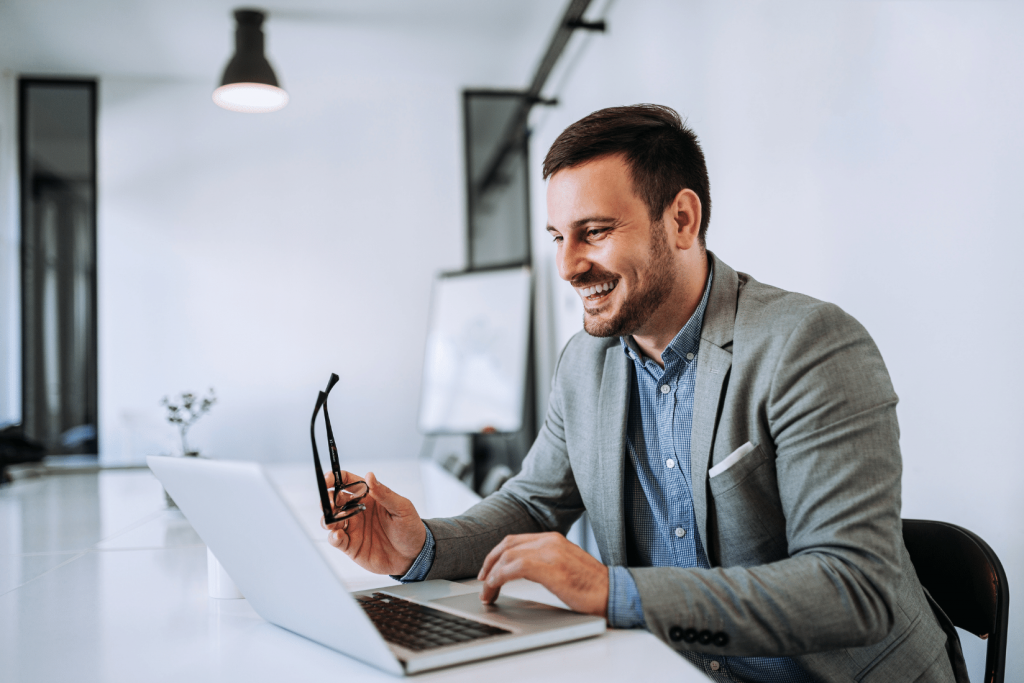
(242, 517)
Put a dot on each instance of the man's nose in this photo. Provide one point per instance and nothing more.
(572, 260)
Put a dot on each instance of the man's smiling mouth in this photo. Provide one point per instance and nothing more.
(595, 292)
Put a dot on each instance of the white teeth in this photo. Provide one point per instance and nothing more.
(603, 287)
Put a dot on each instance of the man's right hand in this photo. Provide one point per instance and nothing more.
(386, 537)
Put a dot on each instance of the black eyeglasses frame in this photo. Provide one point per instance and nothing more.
(333, 513)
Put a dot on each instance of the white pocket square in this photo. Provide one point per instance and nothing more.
(733, 458)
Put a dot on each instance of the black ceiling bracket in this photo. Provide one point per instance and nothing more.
(600, 26)
(543, 101)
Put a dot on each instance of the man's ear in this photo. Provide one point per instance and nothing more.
(684, 214)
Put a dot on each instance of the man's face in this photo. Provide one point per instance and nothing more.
(619, 263)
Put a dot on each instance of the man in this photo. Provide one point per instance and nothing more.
(735, 445)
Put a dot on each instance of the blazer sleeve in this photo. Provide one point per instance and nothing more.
(831, 414)
(542, 497)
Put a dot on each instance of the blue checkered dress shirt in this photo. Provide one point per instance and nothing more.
(658, 495)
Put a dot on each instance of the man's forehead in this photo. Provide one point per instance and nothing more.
(599, 188)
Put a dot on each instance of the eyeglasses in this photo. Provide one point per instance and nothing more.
(347, 497)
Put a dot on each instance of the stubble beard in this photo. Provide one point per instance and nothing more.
(652, 288)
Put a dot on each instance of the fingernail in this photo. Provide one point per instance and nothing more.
(334, 537)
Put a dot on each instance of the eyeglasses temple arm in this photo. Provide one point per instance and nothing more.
(335, 465)
(332, 447)
(325, 500)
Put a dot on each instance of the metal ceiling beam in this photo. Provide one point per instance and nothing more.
(515, 131)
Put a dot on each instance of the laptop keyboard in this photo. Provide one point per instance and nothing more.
(418, 627)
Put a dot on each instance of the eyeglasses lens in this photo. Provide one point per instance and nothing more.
(347, 499)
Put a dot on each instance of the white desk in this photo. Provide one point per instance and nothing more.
(100, 582)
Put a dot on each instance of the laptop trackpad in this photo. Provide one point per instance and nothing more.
(428, 591)
(511, 613)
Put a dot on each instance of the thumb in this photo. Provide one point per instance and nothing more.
(392, 502)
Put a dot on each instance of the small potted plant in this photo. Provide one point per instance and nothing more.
(183, 413)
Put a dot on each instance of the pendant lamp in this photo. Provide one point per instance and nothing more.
(249, 84)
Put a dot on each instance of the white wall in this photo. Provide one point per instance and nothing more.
(256, 254)
(869, 154)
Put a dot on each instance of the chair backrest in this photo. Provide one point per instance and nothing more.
(966, 579)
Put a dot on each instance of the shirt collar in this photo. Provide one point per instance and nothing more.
(687, 340)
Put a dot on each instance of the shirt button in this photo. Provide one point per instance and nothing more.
(689, 356)
(664, 388)
(632, 355)
(715, 665)
(680, 532)
(670, 463)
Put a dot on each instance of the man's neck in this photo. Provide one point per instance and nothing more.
(677, 309)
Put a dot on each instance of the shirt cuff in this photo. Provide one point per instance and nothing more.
(624, 608)
(424, 561)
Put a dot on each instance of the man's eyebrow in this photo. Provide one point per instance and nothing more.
(579, 223)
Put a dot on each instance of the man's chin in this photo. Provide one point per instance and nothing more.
(598, 326)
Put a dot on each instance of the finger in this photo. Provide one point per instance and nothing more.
(510, 541)
(340, 524)
(513, 565)
(391, 501)
(492, 558)
(489, 595)
(339, 537)
(345, 477)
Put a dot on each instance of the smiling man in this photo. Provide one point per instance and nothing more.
(735, 445)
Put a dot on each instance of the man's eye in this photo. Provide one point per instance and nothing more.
(557, 239)
(596, 232)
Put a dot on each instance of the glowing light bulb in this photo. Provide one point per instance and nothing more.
(250, 98)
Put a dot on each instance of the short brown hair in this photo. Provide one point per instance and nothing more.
(664, 156)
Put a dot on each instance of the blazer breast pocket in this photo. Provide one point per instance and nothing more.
(748, 520)
(733, 458)
(735, 468)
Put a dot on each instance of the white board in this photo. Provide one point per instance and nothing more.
(474, 374)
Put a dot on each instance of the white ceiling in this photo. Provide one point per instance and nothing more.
(483, 42)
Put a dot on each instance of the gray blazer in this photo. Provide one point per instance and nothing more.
(803, 534)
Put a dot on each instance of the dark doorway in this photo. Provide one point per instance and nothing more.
(57, 136)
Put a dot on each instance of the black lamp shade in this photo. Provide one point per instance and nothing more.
(249, 83)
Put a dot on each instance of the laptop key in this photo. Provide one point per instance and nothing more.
(418, 627)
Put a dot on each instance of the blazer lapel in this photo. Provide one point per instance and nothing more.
(612, 411)
(713, 364)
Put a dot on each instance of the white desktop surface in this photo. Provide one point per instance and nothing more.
(100, 582)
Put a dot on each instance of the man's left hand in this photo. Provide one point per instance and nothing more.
(564, 568)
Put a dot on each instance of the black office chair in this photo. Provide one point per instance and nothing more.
(965, 577)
